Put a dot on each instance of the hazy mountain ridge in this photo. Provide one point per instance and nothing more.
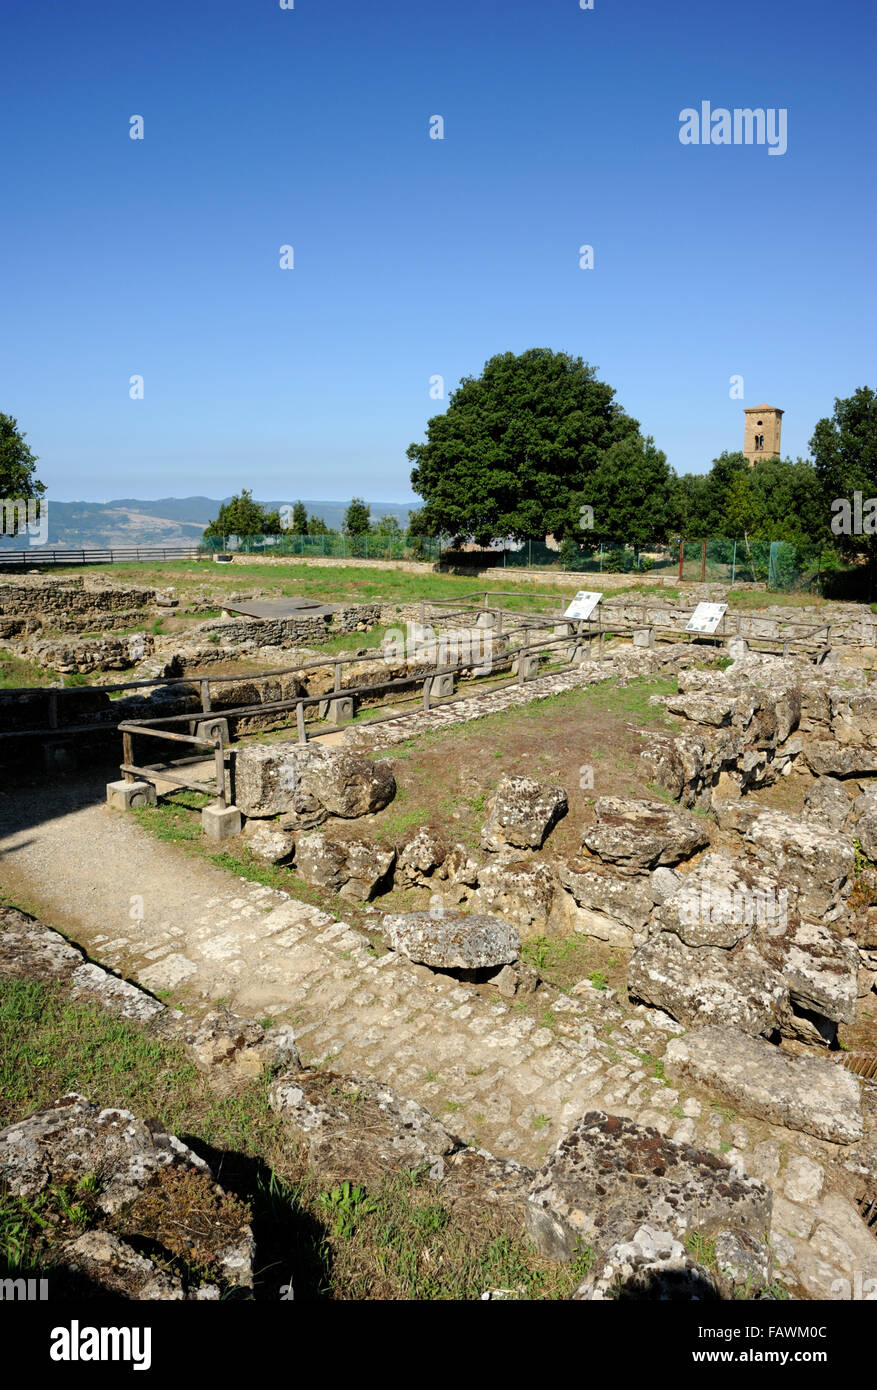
(131, 521)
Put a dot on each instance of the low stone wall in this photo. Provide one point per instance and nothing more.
(265, 632)
(59, 599)
(93, 653)
(358, 617)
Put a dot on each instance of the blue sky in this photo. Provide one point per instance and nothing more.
(415, 257)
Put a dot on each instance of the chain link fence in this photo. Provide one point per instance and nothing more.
(331, 546)
(777, 564)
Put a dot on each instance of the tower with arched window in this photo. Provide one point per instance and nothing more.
(761, 435)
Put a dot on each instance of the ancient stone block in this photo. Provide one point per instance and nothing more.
(802, 1093)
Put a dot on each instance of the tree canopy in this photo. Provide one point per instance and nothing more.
(844, 449)
(244, 517)
(515, 446)
(17, 463)
(357, 518)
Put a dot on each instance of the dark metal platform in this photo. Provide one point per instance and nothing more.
(292, 607)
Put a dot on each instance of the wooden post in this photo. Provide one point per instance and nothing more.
(219, 756)
(128, 755)
(426, 695)
(702, 561)
(522, 652)
(300, 722)
(337, 676)
(681, 556)
(206, 706)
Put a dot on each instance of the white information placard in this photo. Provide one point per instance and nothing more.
(706, 618)
(583, 605)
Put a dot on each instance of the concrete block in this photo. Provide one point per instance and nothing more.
(337, 711)
(737, 647)
(530, 665)
(644, 637)
(486, 620)
(124, 796)
(578, 653)
(210, 728)
(440, 686)
(220, 822)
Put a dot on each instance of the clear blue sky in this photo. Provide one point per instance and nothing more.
(413, 256)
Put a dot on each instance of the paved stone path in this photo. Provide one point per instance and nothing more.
(491, 1071)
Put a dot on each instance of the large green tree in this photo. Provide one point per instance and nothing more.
(17, 463)
(241, 516)
(357, 518)
(630, 492)
(844, 449)
(777, 500)
(515, 447)
(299, 519)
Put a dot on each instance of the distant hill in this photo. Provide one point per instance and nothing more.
(130, 521)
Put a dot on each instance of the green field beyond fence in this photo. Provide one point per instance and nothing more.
(778, 564)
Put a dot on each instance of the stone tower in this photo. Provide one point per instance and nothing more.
(761, 436)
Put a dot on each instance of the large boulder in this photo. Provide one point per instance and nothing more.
(828, 802)
(270, 779)
(854, 716)
(815, 863)
(346, 784)
(734, 988)
(330, 1118)
(642, 835)
(268, 842)
(420, 855)
(702, 963)
(627, 898)
(452, 940)
(144, 1186)
(720, 903)
(819, 967)
(608, 1176)
(828, 758)
(266, 777)
(357, 1129)
(682, 764)
(521, 891)
(802, 1093)
(522, 812)
(352, 868)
